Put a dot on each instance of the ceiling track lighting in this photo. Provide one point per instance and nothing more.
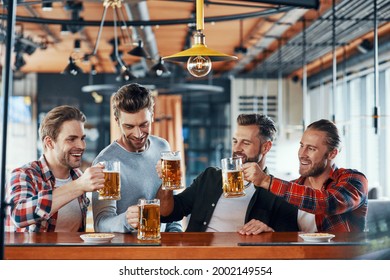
(47, 6)
(122, 68)
(241, 49)
(159, 69)
(139, 51)
(19, 61)
(199, 56)
(72, 68)
(77, 45)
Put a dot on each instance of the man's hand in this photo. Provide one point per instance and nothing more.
(92, 179)
(132, 216)
(254, 227)
(253, 173)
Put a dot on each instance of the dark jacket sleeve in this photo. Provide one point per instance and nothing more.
(273, 211)
(198, 200)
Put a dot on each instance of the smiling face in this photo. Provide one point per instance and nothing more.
(135, 129)
(66, 151)
(314, 155)
(247, 144)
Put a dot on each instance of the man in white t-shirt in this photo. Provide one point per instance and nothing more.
(258, 211)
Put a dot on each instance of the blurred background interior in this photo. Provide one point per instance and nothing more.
(298, 61)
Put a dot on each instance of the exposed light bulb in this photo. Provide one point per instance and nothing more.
(159, 72)
(199, 66)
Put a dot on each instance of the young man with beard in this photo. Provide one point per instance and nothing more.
(137, 151)
(329, 198)
(49, 194)
(258, 211)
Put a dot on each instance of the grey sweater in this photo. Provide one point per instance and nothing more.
(139, 179)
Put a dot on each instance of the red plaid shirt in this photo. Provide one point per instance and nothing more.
(30, 195)
(340, 205)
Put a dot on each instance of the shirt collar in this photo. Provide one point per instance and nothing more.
(331, 176)
(47, 175)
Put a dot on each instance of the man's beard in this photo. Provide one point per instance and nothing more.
(135, 144)
(67, 161)
(256, 158)
(315, 170)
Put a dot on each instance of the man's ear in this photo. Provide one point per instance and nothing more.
(48, 142)
(266, 147)
(333, 154)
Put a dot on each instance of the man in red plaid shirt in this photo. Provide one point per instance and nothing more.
(328, 198)
(49, 194)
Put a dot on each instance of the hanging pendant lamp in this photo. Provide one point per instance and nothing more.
(199, 56)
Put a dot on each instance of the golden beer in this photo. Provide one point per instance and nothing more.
(171, 171)
(232, 177)
(111, 190)
(233, 184)
(149, 220)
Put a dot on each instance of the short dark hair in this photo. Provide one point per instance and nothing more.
(267, 128)
(52, 122)
(132, 98)
(332, 134)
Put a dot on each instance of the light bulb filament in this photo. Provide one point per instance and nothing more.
(199, 66)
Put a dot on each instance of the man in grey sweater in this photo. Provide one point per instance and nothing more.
(138, 152)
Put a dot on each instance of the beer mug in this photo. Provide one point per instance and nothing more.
(112, 181)
(171, 170)
(149, 219)
(232, 177)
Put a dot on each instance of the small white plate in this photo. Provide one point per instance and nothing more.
(97, 237)
(316, 237)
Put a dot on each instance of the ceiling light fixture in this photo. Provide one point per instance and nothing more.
(139, 51)
(199, 56)
(125, 73)
(77, 45)
(75, 7)
(159, 68)
(241, 49)
(72, 68)
(47, 6)
(19, 61)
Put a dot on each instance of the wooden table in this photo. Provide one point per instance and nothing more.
(276, 245)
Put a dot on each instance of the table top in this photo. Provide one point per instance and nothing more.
(200, 245)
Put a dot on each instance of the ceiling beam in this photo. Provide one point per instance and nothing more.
(308, 4)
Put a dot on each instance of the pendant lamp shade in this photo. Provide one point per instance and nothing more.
(199, 56)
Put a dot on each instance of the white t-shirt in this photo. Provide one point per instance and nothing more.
(306, 221)
(229, 213)
(69, 216)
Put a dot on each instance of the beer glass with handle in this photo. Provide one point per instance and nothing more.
(232, 177)
(149, 219)
(112, 181)
(171, 170)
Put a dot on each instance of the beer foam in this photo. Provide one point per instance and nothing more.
(170, 157)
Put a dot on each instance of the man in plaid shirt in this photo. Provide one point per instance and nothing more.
(49, 194)
(328, 198)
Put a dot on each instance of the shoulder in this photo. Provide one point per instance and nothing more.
(348, 172)
(211, 173)
(159, 142)
(351, 175)
(107, 152)
(31, 167)
(29, 173)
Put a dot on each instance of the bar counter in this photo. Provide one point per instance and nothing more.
(275, 245)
